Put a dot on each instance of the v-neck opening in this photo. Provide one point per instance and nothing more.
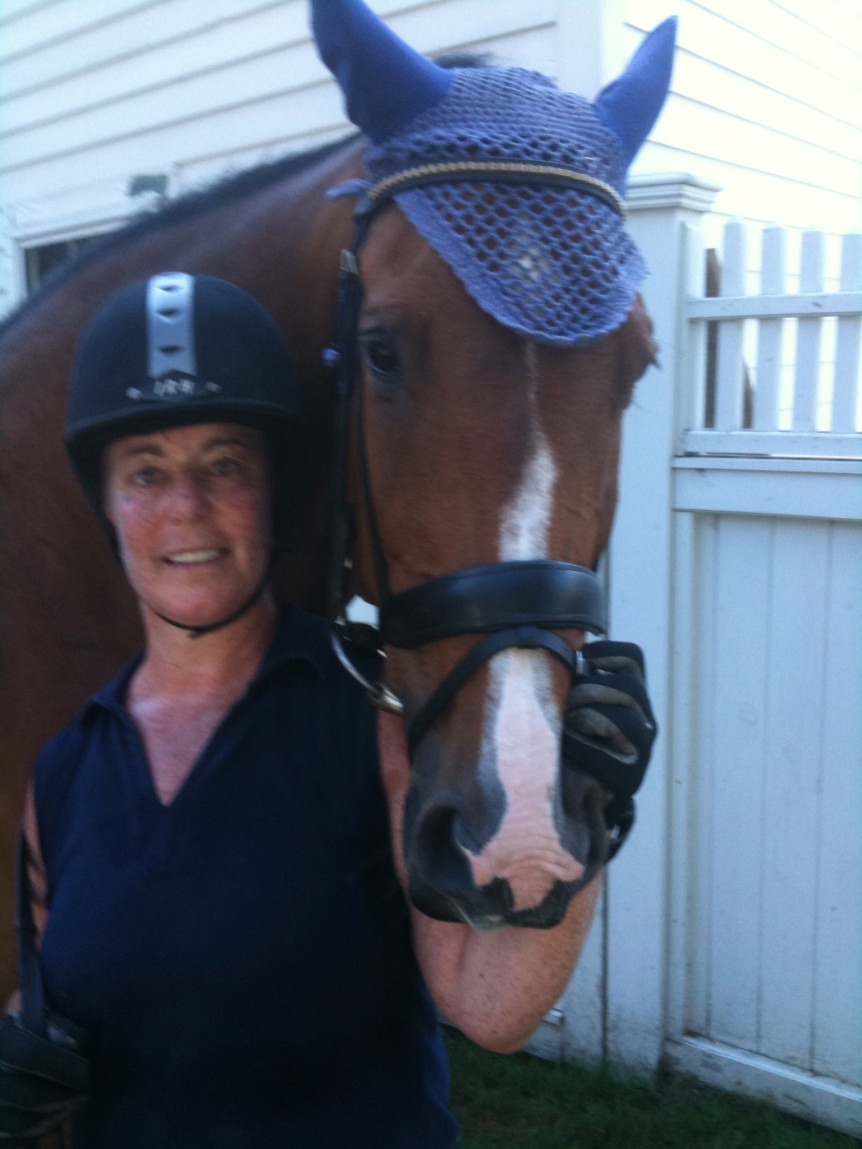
(289, 643)
(198, 766)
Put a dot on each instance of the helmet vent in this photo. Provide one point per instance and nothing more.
(170, 325)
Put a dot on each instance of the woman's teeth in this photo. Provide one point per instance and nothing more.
(194, 556)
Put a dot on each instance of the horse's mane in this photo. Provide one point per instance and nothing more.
(224, 191)
(227, 190)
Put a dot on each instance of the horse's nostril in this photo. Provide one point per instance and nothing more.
(465, 836)
(441, 882)
(436, 849)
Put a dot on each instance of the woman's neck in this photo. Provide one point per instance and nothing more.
(177, 664)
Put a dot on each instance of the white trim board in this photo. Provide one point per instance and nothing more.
(820, 489)
(804, 1094)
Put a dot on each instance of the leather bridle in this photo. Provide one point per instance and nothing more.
(514, 604)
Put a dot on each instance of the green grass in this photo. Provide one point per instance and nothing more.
(522, 1102)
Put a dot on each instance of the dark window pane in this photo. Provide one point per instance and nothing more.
(42, 261)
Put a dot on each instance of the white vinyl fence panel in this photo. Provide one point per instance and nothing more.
(730, 944)
(776, 796)
(765, 976)
(772, 951)
(799, 352)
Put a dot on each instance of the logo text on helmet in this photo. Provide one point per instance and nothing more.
(168, 388)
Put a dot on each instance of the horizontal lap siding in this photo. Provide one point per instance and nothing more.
(776, 944)
(176, 90)
(767, 103)
(98, 91)
(188, 63)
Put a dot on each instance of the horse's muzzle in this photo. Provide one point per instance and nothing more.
(444, 852)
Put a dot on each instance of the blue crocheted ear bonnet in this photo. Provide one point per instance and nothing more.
(552, 263)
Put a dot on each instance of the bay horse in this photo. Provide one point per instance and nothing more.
(481, 446)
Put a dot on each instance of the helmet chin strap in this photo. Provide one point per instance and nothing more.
(199, 631)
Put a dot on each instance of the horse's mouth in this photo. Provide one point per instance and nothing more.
(450, 893)
(490, 907)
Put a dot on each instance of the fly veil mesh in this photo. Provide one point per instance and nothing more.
(552, 264)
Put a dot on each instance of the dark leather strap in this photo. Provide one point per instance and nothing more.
(538, 592)
(523, 637)
(32, 1012)
(25, 1052)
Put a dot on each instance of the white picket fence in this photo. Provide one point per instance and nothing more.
(799, 351)
(730, 940)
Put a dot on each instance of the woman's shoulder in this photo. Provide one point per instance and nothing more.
(309, 638)
(54, 774)
(58, 760)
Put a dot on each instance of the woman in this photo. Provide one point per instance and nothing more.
(218, 899)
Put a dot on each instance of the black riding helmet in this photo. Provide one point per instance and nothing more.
(174, 350)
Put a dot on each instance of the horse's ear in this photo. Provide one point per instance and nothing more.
(384, 81)
(629, 106)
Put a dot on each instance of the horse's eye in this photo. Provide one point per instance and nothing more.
(381, 357)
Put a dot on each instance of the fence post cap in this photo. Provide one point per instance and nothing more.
(670, 190)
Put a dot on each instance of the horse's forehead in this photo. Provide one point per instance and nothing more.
(396, 256)
(481, 365)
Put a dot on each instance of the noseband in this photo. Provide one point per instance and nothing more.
(514, 604)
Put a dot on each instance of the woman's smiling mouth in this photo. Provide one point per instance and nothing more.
(188, 558)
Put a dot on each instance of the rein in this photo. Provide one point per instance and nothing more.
(515, 604)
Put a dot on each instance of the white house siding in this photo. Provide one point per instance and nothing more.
(767, 103)
(766, 99)
(98, 91)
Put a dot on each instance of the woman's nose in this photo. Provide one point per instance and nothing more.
(187, 497)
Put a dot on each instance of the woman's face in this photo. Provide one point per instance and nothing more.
(191, 508)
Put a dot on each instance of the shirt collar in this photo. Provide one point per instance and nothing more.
(299, 637)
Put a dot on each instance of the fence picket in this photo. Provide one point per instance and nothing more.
(807, 373)
(768, 377)
(693, 399)
(807, 397)
(730, 369)
(845, 413)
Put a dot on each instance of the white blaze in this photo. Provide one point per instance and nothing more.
(521, 737)
(526, 521)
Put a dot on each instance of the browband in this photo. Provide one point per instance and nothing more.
(490, 171)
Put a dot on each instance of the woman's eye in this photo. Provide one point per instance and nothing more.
(225, 467)
(146, 477)
(382, 358)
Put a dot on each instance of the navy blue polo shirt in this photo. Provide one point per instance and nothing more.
(241, 957)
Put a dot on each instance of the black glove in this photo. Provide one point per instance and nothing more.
(609, 728)
(43, 1080)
